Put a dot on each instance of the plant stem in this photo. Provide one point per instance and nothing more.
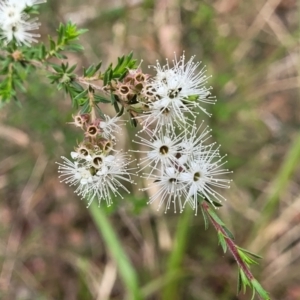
(234, 249)
(92, 106)
(230, 244)
(115, 249)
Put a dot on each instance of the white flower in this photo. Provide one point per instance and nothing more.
(30, 2)
(170, 189)
(98, 177)
(109, 177)
(110, 127)
(201, 177)
(160, 115)
(193, 145)
(181, 86)
(20, 31)
(10, 13)
(15, 24)
(20, 5)
(76, 155)
(161, 152)
(76, 173)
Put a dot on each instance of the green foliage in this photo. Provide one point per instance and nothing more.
(91, 70)
(63, 75)
(124, 64)
(17, 63)
(68, 34)
(127, 272)
(243, 257)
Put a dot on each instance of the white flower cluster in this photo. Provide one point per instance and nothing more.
(96, 175)
(173, 93)
(15, 23)
(96, 169)
(182, 168)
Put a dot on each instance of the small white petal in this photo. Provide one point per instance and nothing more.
(74, 155)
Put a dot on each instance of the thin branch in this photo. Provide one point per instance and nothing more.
(230, 243)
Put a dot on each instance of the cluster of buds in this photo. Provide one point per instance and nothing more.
(96, 168)
(129, 89)
(15, 23)
(99, 129)
(165, 99)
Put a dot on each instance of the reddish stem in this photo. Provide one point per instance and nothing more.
(230, 244)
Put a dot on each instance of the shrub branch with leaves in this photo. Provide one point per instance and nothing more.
(178, 161)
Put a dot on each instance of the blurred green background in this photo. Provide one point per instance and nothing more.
(50, 247)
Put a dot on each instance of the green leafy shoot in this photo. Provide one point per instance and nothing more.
(125, 63)
(68, 34)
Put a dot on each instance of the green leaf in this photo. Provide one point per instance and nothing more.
(106, 76)
(250, 253)
(247, 259)
(239, 283)
(259, 289)
(52, 44)
(206, 223)
(81, 95)
(102, 99)
(215, 217)
(222, 241)
(42, 51)
(110, 75)
(77, 86)
(117, 108)
(89, 71)
(98, 66)
(60, 55)
(112, 98)
(121, 111)
(216, 204)
(133, 121)
(57, 68)
(72, 69)
(244, 280)
(86, 108)
(75, 47)
(20, 86)
(228, 232)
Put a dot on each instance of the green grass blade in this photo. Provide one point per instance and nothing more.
(288, 167)
(174, 263)
(126, 270)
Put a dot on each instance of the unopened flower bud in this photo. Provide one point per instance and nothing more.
(17, 55)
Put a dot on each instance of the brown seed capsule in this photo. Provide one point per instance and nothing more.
(92, 131)
(105, 145)
(83, 150)
(97, 161)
